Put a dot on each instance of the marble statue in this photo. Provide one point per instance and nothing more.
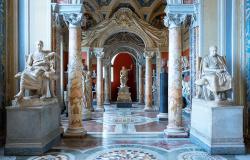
(38, 74)
(164, 66)
(87, 89)
(124, 76)
(214, 80)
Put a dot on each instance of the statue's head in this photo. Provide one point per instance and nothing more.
(123, 67)
(39, 45)
(213, 50)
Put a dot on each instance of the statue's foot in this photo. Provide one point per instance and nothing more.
(19, 74)
(43, 97)
(19, 95)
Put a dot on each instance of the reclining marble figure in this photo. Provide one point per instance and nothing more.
(214, 80)
(38, 74)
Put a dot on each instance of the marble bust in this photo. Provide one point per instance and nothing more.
(124, 76)
(38, 74)
(214, 80)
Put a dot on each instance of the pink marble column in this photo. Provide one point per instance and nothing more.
(148, 81)
(75, 92)
(99, 79)
(175, 128)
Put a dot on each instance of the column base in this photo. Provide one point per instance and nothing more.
(78, 133)
(149, 109)
(162, 116)
(86, 115)
(99, 109)
(107, 102)
(175, 133)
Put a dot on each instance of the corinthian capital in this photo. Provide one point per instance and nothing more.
(73, 19)
(149, 54)
(98, 52)
(174, 20)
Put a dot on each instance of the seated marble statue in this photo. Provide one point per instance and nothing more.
(214, 79)
(38, 74)
(124, 76)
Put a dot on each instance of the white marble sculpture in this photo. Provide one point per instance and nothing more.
(124, 76)
(38, 74)
(87, 90)
(214, 80)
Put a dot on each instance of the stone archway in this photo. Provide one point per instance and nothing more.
(128, 60)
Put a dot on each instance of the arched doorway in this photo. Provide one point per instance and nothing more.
(127, 60)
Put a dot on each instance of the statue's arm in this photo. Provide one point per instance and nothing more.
(52, 54)
(29, 61)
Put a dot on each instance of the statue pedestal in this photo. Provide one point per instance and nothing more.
(217, 128)
(124, 98)
(32, 130)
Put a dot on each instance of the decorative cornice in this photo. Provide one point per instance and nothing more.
(98, 52)
(73, 19)
(174, 20)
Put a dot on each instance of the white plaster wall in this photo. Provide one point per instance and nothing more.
(40, 23)
(209, 22)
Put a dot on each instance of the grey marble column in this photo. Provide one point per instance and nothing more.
(158, 73)
(148, 81)
(106, 84)
(141, 90)
(174, 127)
(99, 79)
(75, 92)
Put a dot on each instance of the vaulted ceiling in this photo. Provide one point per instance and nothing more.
(151, 11)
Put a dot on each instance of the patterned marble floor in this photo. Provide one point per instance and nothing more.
(126, 134)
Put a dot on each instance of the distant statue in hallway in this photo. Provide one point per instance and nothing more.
(214, 79)
(124, 76)
(87, 89)
(39, 73)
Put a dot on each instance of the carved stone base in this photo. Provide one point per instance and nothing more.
(75, 133)
(216, 128)
(176, 133)
(124, 95)
(33, 102)
(32, 130)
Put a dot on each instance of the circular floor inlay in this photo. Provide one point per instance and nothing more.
(198, 155)
(126, 152)
(54, 156)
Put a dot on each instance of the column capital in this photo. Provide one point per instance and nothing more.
(106, 62)
(149, 53)
(99, 53)
(174, 20)
(73, 19)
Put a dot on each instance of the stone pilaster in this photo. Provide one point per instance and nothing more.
(99, 79)
(75, 91)
(148, 81)
(174, 128)
(141, 90)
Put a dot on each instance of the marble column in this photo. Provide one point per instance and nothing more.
(106, 84)
(75, 92)
(99, 79)
(148, 81)
(89, 59)
(158, 73)
(174, 127)
(141, 91)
